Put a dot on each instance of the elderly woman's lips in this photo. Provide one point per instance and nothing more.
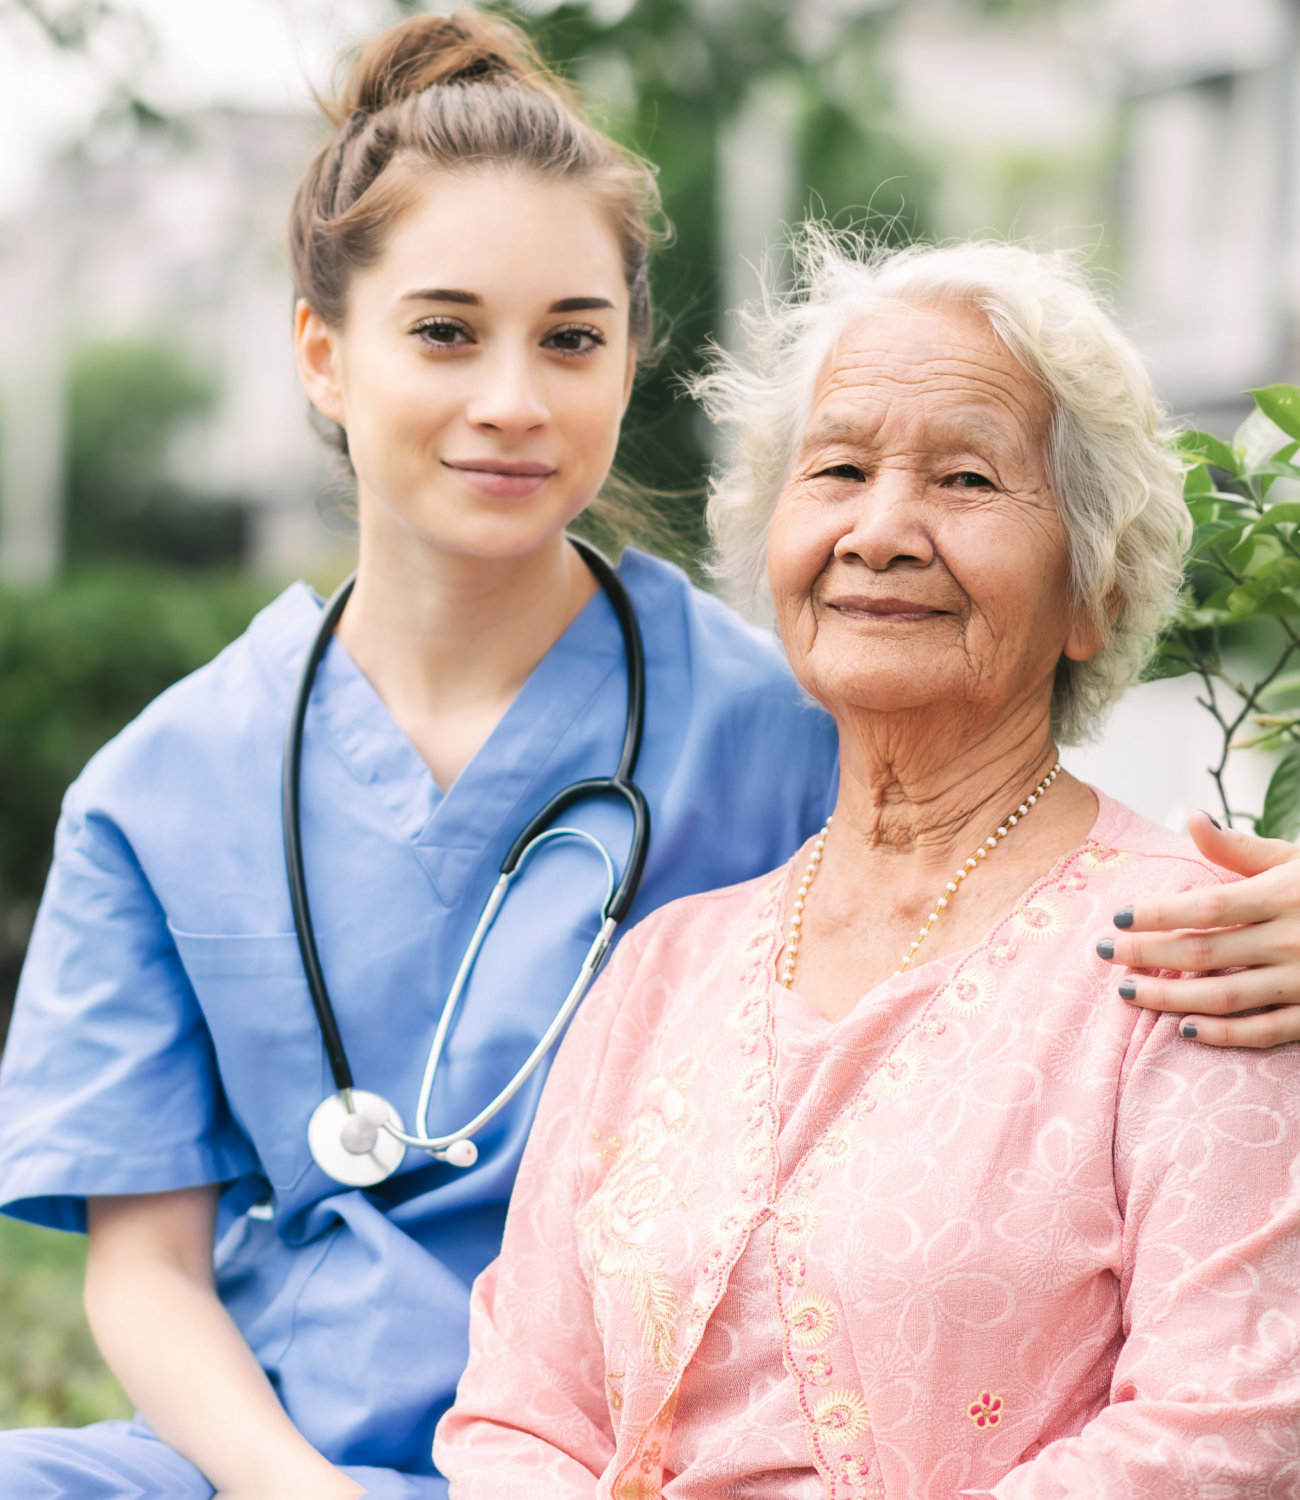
(885, 609)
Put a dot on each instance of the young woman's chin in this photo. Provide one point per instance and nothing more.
(496, 534)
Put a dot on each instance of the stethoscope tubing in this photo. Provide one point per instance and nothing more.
(291, 815)
(540, 829)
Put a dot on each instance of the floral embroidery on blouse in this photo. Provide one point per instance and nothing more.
(986, 1410)
(842, 1415)
(618, 1225)
(1038, 919)
(811, 1321)
(1099, 857)
(796, 1221)
(968, 994)
(905, 1068)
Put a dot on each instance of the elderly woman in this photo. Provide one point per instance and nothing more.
(860, 1179)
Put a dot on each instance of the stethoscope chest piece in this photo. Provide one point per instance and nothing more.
(351, 1144)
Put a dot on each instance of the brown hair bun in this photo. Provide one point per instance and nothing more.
(465, 47)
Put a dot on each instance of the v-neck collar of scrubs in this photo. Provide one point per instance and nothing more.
(500, 784)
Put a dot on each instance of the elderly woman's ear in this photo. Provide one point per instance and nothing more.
(1087, 637)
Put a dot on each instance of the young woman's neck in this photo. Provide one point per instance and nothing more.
(447, 640)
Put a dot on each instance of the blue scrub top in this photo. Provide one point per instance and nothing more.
(164, 1037)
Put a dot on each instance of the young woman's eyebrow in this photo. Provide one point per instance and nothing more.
(579, 304)
(472, 299)
(443, 294)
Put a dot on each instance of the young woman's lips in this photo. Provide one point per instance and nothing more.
(503, 479)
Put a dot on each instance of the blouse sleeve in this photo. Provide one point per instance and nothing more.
(531, 1415)
(1205, 1397)
(109, 1084)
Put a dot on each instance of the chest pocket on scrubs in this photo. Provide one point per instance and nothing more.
(273, 1068)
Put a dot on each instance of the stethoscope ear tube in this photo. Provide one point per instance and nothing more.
(621, 897)
(290, 805)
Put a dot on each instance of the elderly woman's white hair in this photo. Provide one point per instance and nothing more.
(1115, 471)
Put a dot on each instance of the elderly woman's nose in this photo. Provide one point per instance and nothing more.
(887, 524)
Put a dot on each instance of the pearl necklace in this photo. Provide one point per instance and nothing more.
(949, 891)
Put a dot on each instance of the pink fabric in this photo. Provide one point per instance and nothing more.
(996, 1232)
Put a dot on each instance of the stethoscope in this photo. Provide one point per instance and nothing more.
(358, 1137)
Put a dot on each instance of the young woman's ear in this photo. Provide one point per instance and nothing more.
(317, 352)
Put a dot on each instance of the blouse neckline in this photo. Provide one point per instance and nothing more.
(796, 1015)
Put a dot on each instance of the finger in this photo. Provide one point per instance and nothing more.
(1263, 943)
(1269, 1029)
(1235, 849)
(1214, 994)
(1273, 893)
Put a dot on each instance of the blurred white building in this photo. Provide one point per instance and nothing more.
(1161, 135)
(179, 239)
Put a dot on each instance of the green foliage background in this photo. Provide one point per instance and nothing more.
(1243, 592)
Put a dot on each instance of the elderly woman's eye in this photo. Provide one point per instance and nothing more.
(969, 479)
(842, 471)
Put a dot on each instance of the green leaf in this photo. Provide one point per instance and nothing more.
(1257, 597)
(1222, 535)
(1281, 405)
(1218, 601)
(1281, 816)
(1278, 467)
(1249, 555)
(1257, 439)
(1287, 514)
(1205, 448)
(1288, 682)
(1196, 482)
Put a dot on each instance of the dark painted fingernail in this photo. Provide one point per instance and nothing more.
(1105, 949)
(1219, 826)
(1128, 990)
(1124, 917)
(1188, 1030)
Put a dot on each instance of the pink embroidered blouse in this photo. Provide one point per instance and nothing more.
(994, 1233)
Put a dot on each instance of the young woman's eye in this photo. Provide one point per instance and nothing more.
(443, 333)
(843, 471)
(577, 338)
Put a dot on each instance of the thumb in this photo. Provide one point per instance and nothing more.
(1242, 853)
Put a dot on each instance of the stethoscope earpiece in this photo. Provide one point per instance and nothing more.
(356, 1137)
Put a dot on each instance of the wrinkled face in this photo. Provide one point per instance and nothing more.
(483, 365)
(916, 554)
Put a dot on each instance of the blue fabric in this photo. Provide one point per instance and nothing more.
(125, 1461)
(163, 1035)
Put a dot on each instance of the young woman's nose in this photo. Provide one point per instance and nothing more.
(886, 525)
(509, 398)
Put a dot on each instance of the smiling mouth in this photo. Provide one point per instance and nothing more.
(524, 468)
(891, 610)
(502, 478)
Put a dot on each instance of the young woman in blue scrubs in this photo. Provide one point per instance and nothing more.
(470, 258)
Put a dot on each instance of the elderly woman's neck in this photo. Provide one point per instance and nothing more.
(904, 790)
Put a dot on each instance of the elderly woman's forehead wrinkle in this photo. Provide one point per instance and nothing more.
(912, 361)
